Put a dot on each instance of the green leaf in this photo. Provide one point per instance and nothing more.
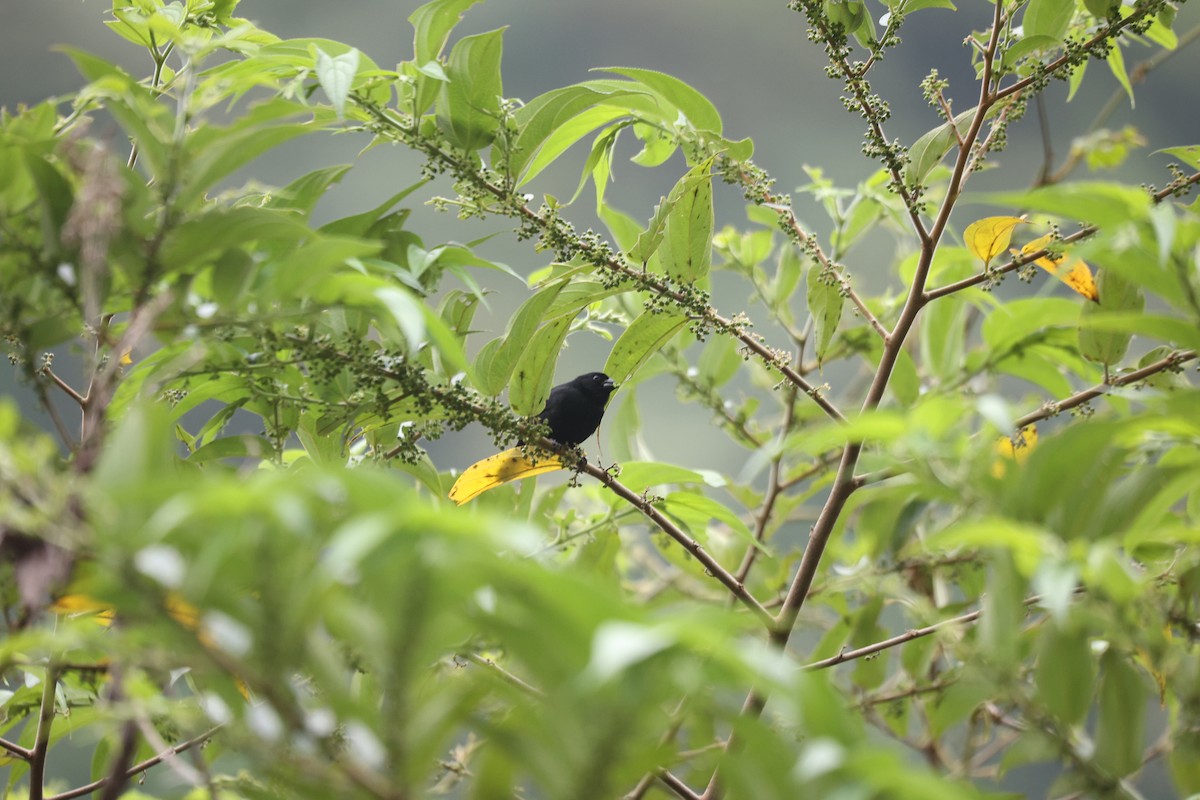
(539, 119)
(1065, 673)
(1120, 730)
(567, 134)
(305, 192)
(239, 446)
(641, 475)
(1116, 295)
(644, 337)
(432, 24)
(943, 337)
(928, 151)
(336, 76)
(686, 253)
(825, 302)
(212, 152)
(695, 511)
(1116, 65)
(697, 108)
(649, 240)
(1097, 202)
(1048, 18)
(534, 371)
(495, 363)
(468, 107)
(1188, 154)
(1100, 9)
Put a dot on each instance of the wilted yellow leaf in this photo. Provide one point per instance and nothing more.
(1014, 448)
(1072, 272)
(988, 237)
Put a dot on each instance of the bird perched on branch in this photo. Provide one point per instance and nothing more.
(573, 412)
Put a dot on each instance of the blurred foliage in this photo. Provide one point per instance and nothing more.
(241, 549)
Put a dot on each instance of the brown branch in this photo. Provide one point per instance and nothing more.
(711, 565)
(677, 786)
(140, 767)
(61, 384)
(774, 489)
(16, 749)
(1169, 361)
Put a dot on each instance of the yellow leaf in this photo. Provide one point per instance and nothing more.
(1072, 272)
(1014, 448)
(511, 465)
(988, 237)
(126, 358)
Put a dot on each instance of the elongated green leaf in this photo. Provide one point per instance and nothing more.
(695, 511)
(468, 107)
(542, 117)
(1065, 673)
(686, 252)
(220, 229)
(1097, 202)
(697, 108)
(644, 337)
(1116, 65)
(213, 152)
(567, 134)
(305, 192)
(494, 365)
(534, 372)
(825, 303)
(432, 24)
(239, 446)
(928, 151)
(1122, 725)
(1188, 154)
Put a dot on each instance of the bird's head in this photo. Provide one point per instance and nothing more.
(596, 384)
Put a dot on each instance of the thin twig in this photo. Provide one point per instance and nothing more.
(1169, 361)
(140, 767)
(507, 676)
(677, 786)
(697, 550)
(66, 387)
(16, 749)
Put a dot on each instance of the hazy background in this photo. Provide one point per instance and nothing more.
(752, 59)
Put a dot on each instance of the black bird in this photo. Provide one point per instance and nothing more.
(574, 409)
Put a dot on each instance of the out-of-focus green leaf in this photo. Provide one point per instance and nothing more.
(1065, 673)
(1120, 730)
(1116, 295)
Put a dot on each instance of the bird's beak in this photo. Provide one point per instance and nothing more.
(608, 384)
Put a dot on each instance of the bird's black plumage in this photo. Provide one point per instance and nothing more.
(574, 409)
